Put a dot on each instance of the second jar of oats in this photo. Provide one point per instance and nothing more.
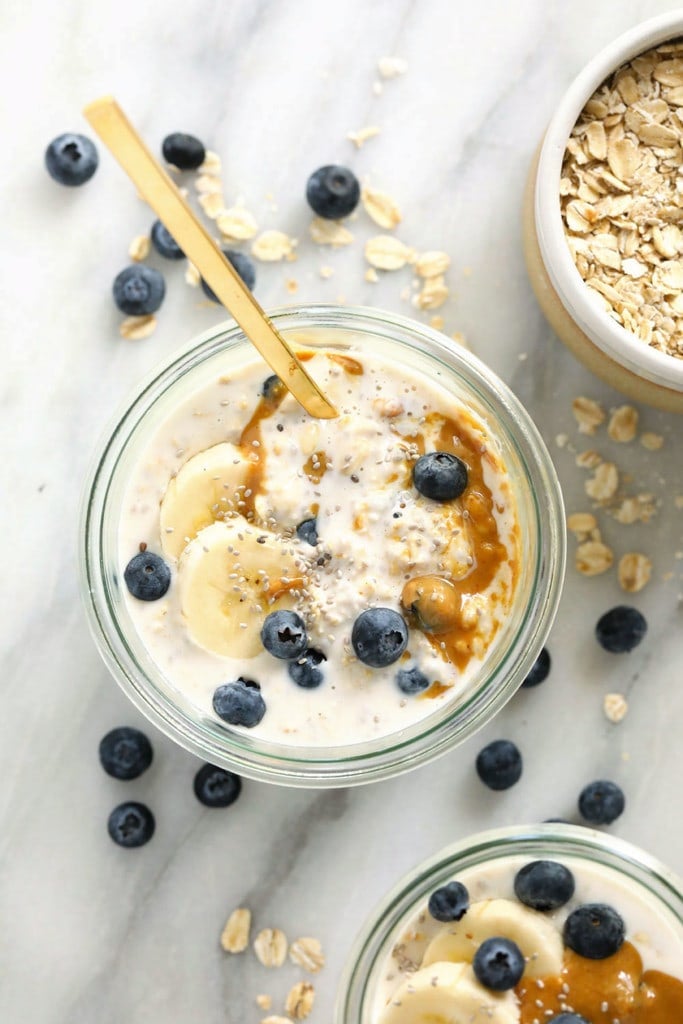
(603, 216)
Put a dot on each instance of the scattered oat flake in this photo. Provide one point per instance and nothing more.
(432, 295)
(235, 935)
(212, 203)
(604, 483)
(326, 272)
(208, 184)
(300, 999)
(307, 953)
(292, 286)
(581, 522)
(590, 459)
(270, 946)
(371, 275)
(360, 137)
(392, 67)
(237, 224)
(638, 509)
(264, 1002)
(593, 557)
(192, 275)
(385, 252)
(653, 442)
(588, 414)
(437, 322)
(138, 250)
(615, 706)
(432, 263)
(678, 501)
(274, 1019)
(212, 163)
(329, 232)
(460, 338)
(623, 424)
(271, 246)
(135, 328)
(380, 207)
(634, 571)
(561, 440)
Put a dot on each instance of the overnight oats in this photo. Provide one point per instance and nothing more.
(326, 585)
(515, 927)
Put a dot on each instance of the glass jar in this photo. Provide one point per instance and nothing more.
(423, 352)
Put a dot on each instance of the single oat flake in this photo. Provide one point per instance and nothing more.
(634, 572)
(270, 946)
(235, 934)
(385, 252)
(588, 414)
(272, 246)
(307, 953)
(275, 1019)
(593, 558)
(138, 250)
(300, 999)
(264, 1002)
(653, 442)
(236, 224)
(432, 295)
(329, 232)
(380, 207)
(581, 523)
(604, 483)
(135, 328)
(615, 706)
(623, 424)
(432, 263)
(360, 137)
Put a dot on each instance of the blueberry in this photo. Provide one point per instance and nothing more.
(308, 531)
(131, 824)
(147, 576)
(594, 931)
(304, 670)
(440, 476)
(449, 903)
(539, 670)
(568, 1018)
(164, 242)
(272, 388)
(412, 680)
(601, 802)
(139, 290)
(621, 629)
(283, 635)
(71, 159)
(498, 964)
(379, 637)
(216, 787)
(333, 191)
(244, 267)
(183, 151)
(125, 753)
(499, 765)
(240, 703)
(544, 885)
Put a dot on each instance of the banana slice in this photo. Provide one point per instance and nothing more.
(207, 485)
(536, 936)
(229, 578)
(447, 993)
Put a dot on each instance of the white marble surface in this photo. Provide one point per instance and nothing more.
(92, 933)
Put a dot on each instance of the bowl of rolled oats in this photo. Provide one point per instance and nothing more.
(604, 214)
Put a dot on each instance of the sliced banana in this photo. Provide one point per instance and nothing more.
(229, 578)
(537, 937)
(205, 487)
(448, 993)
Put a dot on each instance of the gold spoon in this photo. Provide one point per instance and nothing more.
(154, 185)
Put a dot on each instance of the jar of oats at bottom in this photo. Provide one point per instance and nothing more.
(603, 215)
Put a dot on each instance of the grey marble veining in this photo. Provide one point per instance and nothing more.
(91, 933)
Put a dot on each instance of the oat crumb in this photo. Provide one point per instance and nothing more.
(561, 440)
(264, 1002)
(615, 706)
(371, 275)
(437, 322)
(653, 442)
(392, 67)
(360, 137)
(138, 249)
(326, 272)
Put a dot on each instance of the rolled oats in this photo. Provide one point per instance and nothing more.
(212, 163)
(432, 295)
(593, 558)
(623, 424)
(264, 1002)
(235, 934)
(270, 946)
(236, 224)
(212, 203)
(581, 524)
(634, 572)
(588, 414)
(380, 207)
(615, 706)
(432, 263)
(604, 483)
(272, 246)
(192, 275)
(590, 459)
(371, 275)
(138, 250)
(329, 232)
(653, 442)
(300, 999)
(391, 67)
(208, 184)
(359, 138)
(385, 252)
(307, 953)
(274, 1019)
(135, 328)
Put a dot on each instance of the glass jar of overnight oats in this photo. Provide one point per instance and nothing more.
(327, 618)
(409, 966)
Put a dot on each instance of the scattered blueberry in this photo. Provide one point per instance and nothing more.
(539, 670)
(308, 531)
(240, 703)
(499, 764)
(304, 670)
(379, 637)
(183, 151)
(147, 576)
(620, 629)
(440, 476)
(71, 159)
(601, 802)
(125, 753)
(164, 242)
(498, 964)
(272, 387)
(412, 680)
(216, 787)
(594, 931)
(139, 290)
(244, 267)
(568, 1018)
(283, 635)
(449, 903)
(544, 885)
(333, 191)
(131, 824)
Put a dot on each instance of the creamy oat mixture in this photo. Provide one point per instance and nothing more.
(222, 485)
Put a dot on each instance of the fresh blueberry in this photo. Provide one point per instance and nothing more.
(240, 703)
(499, 764)
(412, 680)
(283, 635)
(71, 159)
(147, 576)
(440, 476)
(333, 191)
(379, 637)
(216, 787)
(308, 531)
(131, 824)
(183, 151)
(601, 802)
(272, 388)
(304, 670)
(594, 931)
(621, 629)
(125, 753)
(568, 1018)
(498, 964)
(539, 670)
(449, 903)
(139, 290)
(244, 267)
(544, 885)
(164, 242)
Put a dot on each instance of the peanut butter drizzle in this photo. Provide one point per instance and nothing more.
(451, 638)
(604, 991)
(253, 451)
(315, 466)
